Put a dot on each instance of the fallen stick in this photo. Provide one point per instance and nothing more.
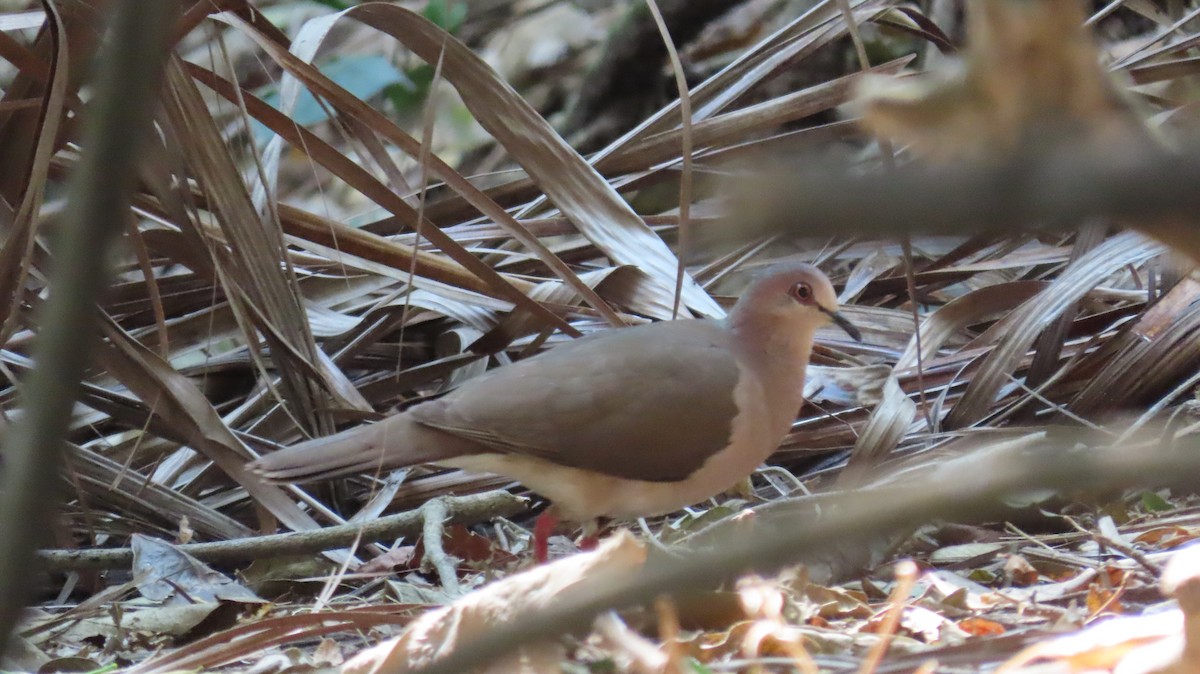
(460, 510)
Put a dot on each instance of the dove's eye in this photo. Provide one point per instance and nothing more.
(802, 293)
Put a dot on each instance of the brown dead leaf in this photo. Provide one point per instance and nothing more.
(889, 423)
(925, 625)
(772, 638)
(1027, 321)
(469, 546)
(1104, 594)
(981, 627)
(1151, 357)
(836, 603)
(1019, 571)
(181, 403)
(185, 533)
(951, 589)
(463, 544)
(328, 654)
(1165, 538)
(593, 205)
(958, 313)
(169, 573)
(400, 556)
(1157, 642)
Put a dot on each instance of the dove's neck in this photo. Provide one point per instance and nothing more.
(776, 351)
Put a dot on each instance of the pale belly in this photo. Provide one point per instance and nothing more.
(582, 495)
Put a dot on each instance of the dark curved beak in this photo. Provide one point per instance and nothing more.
(843, 323)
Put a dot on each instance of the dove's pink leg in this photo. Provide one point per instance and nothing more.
(543, 526)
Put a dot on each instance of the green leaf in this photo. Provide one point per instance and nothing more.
(699, 667)
(693, 522)
(983, 576)
(446, 14)
(1154, 503)
(338, 5)
(604, 666)
(406, 97)
(363, 76)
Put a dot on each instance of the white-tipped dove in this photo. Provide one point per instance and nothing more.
(627, 423)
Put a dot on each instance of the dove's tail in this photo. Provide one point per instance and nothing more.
(393, 443)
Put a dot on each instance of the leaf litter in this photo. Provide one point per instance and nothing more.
(269, 295)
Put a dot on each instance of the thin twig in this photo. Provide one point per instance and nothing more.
(685, 139)
(462, 510)
(910, 284)
(434, 514)
(1151, 567)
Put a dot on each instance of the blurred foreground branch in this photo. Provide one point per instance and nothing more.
(968, 489)
(1050, 184)
(97, 208)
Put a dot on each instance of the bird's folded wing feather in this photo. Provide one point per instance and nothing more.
(649, 404)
